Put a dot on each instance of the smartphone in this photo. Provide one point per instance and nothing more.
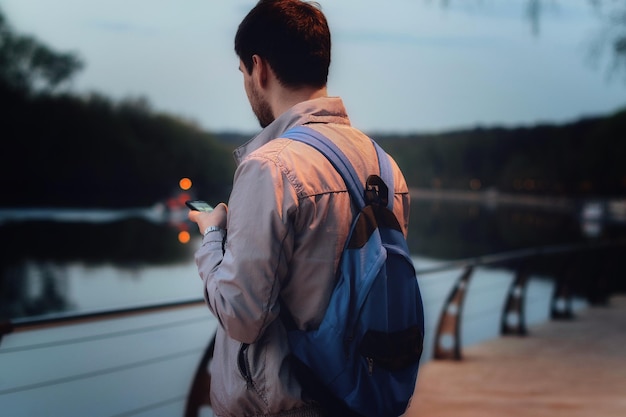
(199, 205)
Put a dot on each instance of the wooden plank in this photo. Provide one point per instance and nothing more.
(562, 369)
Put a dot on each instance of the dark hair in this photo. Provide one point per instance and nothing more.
(292, 36)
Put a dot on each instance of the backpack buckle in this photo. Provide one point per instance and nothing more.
(376, 191)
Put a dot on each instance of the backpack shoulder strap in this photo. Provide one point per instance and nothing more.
(342, 164)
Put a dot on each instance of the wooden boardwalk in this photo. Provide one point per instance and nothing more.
(571, 368)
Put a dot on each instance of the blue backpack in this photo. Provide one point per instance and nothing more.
(367, 348)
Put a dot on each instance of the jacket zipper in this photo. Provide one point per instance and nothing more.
(244, 365)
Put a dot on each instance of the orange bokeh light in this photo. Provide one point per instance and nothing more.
(184, 237)
(185, 183)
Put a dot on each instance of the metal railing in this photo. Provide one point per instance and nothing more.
(63, 319)
(512, 321)
(467, 265)
(447, 337)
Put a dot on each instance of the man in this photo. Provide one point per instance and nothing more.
(288, 218)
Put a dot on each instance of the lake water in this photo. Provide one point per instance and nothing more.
(65, 261)
(59, 262)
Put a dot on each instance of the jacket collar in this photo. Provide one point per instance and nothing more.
(319, 110)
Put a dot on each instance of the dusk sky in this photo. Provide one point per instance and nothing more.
(399, 65)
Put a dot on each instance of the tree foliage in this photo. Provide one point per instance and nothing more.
(583, 158)
(30, 66)
(74, 151)
(611, 38)
(65, 150)
(608, 43)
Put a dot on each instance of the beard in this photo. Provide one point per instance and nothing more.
(261, 109)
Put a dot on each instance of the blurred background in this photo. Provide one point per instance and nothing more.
(508, 118)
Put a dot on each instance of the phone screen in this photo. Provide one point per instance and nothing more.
(199, 205)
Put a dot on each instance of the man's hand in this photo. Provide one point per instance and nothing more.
(217, 217)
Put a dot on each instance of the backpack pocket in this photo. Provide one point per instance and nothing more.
(392, 351)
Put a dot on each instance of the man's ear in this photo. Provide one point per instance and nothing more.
(260, 70)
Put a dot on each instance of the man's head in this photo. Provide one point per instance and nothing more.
(292, 36)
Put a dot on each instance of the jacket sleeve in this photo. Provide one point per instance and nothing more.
(242, 282)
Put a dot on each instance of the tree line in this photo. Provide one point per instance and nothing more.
(582, 158)
(63, 149)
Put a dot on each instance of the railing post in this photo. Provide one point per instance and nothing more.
(199, 393)
(513, 321)
(448, 337)
(561, 302)
(6, 327)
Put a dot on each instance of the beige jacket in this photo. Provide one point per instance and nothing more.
(289, 215)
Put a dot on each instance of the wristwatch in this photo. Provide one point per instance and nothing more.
(212, 229)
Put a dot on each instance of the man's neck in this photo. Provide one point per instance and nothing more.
(286, 98)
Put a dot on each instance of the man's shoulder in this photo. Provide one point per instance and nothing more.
(280, 150)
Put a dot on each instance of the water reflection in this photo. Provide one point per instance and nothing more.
(455, 230)
(48, 254)
(113, 237)
(31, 289)
(109, 259)
(158, 213)
(449, 226)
